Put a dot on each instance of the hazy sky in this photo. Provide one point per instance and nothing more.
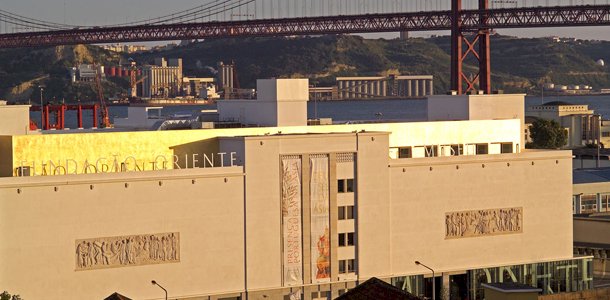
(100, 12)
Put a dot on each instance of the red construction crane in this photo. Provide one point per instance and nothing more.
(100, 96)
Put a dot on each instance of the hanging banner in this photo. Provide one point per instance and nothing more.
(292, 220)
(320, 219)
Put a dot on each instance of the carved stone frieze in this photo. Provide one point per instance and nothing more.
(132, 250)
(486, 222)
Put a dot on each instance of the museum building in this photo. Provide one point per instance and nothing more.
(289, 211)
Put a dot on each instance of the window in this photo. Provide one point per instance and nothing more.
(345, 185)
(605, 199)
(350, 212)
(588, 203)
(350, 185)
(351, 264)
(605, 133)
(341, 186)
(346, 212)
(346, 239)
(320, 295)
(506, 148)
(347, 266)
(405, 152)
(482, 149)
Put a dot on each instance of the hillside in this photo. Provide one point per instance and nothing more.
(533, 61)
(517, 64)
(23, 70)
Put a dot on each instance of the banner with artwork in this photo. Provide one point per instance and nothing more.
(292, 220)
(320, 219)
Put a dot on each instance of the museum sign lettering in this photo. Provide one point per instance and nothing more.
(129, 163)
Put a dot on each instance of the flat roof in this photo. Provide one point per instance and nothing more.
(279, 134)
(582, 176)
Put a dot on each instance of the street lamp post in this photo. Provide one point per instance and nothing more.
(155, 283)
(41, 108)
(599, 138)
(433, 278)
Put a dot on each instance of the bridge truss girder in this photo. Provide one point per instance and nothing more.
(468, 27)
(568, 16)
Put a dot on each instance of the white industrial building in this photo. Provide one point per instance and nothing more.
(412, 86)
(163, 79)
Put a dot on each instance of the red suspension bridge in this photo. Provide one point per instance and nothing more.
(470, 28)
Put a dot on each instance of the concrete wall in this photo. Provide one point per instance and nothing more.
(595, 294)
(496, 295)
(446, 108)
(280, 102)
(292, 113)
(259, 112)
(137, 117)
(146, 146)
(478, 107)
(592, 230)
(373, 201)
(401, 209)
(283, 89)
(229, 219)
(41, 218)
(591, 188)
(423, 190)
(15, 119)
(6, 152)
(261, 156)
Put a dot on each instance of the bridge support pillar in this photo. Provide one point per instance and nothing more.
(484, 51)
(463, 45)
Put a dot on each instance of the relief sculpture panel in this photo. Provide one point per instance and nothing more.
(486, 222)
(122, 251)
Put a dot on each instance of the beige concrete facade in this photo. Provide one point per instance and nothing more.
(40, 151)
(488, 181)
(293, 210)
(280, 102)
(478, 107)
(43, 217)
(229, 219)
(15, 119)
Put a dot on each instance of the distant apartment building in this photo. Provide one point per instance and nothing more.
(85, 72)
(204, 88)
(591, 209)
(163, 79)
(411, 86)
(125, 48)
(581, 123)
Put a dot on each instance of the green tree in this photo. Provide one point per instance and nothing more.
(547, 134)
(6, 296)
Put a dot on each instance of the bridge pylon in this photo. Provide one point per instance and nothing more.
(464, 45)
